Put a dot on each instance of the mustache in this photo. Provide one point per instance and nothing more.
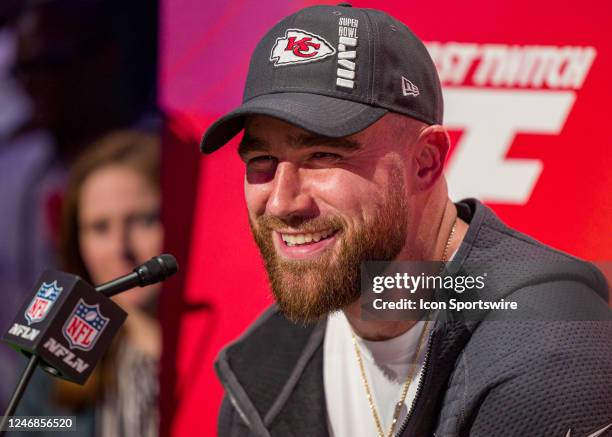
(300, 223)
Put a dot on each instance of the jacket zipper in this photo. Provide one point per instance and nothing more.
(419, 387)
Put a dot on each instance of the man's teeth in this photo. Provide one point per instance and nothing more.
(296, 239)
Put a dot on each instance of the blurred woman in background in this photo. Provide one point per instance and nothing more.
(110, 225)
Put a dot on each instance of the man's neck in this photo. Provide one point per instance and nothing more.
(374, 330)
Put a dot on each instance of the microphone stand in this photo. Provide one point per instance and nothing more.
(18, 394)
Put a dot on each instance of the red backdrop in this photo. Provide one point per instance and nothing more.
(526, 92)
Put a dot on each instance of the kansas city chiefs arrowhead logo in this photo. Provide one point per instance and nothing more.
(298, 47)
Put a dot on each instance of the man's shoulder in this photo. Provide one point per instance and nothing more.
(489, 236)
(270, 330)
(514, 260)
(257, 368)
(272, 343)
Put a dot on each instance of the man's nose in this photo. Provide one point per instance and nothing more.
(288, 197)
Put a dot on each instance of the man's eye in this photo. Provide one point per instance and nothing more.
(261, 163)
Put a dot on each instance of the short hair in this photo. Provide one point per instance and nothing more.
(403, 127)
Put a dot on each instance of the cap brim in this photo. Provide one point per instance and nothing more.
(322, 115)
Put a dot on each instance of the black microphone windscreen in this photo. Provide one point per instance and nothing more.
(157, 269)
(168, 262)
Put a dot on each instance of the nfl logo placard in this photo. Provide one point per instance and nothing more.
(84, 326)
(42, 303)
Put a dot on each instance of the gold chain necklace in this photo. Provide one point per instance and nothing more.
(411, 371)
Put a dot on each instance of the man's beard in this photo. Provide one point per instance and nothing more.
(306, 290)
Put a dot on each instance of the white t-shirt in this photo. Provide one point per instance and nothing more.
(386, 365)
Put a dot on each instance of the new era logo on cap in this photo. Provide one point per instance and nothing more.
(299, 46)
(408, 88)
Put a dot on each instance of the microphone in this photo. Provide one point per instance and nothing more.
(67, 325)
(155, 270)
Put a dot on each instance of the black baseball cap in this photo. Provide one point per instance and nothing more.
(333, 71)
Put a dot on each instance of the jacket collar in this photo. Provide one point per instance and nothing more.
(261, 369)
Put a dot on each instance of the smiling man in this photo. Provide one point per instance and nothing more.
(344, 151)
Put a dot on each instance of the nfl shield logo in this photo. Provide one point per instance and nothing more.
(43, 302)
(84, 326)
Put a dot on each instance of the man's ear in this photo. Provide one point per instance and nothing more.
(430, 154)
